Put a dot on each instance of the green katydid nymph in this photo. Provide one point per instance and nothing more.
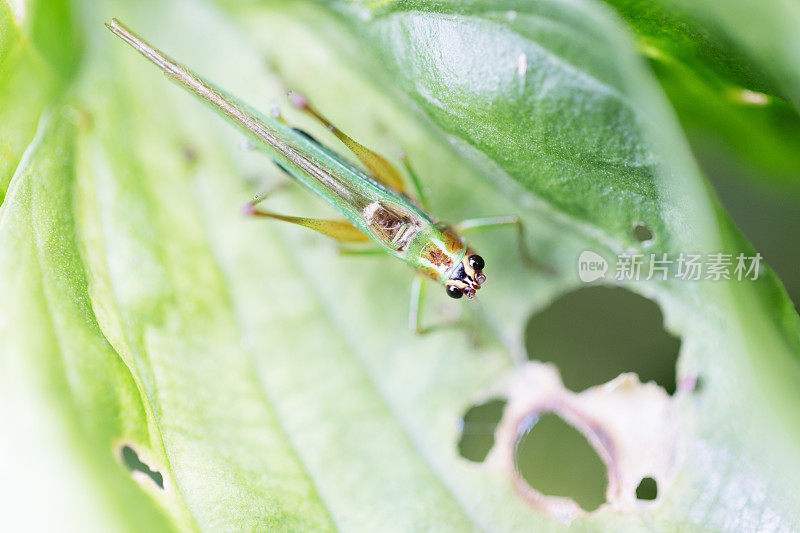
(375, 203)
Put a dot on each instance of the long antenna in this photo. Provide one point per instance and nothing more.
(265, 130)
(166, 63)
(225, 103)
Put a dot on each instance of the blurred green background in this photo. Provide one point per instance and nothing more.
(751, 154)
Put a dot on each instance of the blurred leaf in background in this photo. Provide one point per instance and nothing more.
(743, 128)
(168, 365)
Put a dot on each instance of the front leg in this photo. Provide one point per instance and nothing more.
(415, 305)
(480, 224)
(417, 297)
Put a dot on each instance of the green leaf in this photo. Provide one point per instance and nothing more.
(27, 84)
(765, 33)
(66, 393)
(662, 29)
(743, 133)
(270, 381)
(721, 96)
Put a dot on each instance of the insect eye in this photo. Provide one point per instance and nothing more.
(476, 262)
(454, 292)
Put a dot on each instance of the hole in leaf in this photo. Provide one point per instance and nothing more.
(642, 232)
(556, 459)
(477, 430)
(647, 489)
(596, 333)
(131, 459)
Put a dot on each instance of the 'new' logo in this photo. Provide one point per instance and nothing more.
(591, 266)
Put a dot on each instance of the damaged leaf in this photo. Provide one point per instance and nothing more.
(632, 426)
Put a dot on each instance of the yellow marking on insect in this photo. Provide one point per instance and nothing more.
(458, 283)
(467, 268)
(430, 272)
(452, 242)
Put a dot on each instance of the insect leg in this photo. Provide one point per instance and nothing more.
(340, 230)
(415, 181)
(264, 195)
(382, 170)
(480, 224)
(345, 250)
(415, 304)
(417, 297)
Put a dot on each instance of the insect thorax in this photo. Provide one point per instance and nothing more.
(435, 250)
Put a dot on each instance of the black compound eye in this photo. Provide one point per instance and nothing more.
(476, 262)
(454, 292)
